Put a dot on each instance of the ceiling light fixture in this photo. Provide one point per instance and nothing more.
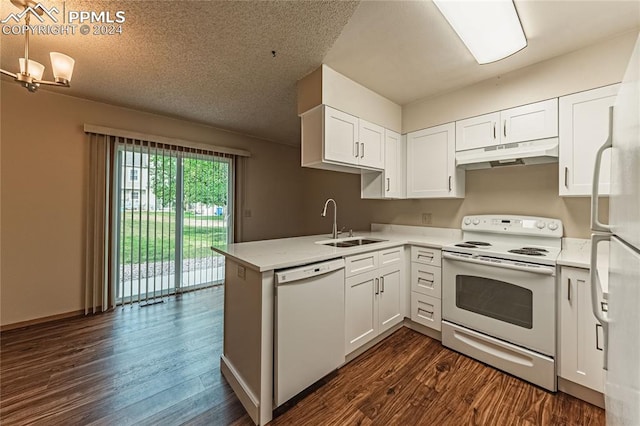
(490, 29)
(30, 75)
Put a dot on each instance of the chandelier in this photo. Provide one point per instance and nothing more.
(30, 75)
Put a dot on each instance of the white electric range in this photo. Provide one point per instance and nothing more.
(499, 294)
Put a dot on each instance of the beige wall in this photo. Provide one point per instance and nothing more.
(523, 190)
(43, 178)
(326, 86)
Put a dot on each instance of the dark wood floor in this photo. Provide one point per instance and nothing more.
(160, 365)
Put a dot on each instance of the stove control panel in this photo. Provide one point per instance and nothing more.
(516, 225)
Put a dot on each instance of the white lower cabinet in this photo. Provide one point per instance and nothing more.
(373, 298)
(581, 339)
(426, 287)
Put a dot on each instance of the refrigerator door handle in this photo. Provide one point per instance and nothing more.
(595, 283)
(596, 225)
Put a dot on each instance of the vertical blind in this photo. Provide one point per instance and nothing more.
(154, 212)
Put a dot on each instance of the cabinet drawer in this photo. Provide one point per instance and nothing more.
(390, 256)
(425, 255)
(426, 279)
(426, 310)
(361, 263)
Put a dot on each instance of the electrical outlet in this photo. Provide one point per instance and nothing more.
(247, 212)
(426, 218)
(242, 272)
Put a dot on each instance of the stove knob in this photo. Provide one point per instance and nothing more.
(476, 221)
(552, 226)
(467, 221)
(540, 224)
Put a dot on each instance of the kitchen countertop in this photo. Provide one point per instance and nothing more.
(281, 253)
(576, 252)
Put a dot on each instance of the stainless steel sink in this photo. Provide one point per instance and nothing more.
(350, 242)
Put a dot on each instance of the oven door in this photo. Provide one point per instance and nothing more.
(512, 301)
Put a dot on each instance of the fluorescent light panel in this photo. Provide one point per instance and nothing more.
(490, 29)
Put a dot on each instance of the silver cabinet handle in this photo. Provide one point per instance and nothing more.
(357, 150)
(494, 130)
(566, 177)
(382, 284)
(569, 289)
(593, 277)
(504, 128)
(377, 286)
(449, 183)
(388, 184)
(596, 225)
(598, 338)
(362, 156)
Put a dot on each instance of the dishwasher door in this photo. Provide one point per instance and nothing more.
(309, 326)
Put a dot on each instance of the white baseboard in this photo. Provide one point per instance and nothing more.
(581, 392)
(242, 391)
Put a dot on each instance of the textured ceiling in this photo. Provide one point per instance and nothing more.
(206, 61)
(211, 61)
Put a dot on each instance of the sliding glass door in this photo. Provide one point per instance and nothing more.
(173, 205)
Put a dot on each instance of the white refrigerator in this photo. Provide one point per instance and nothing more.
(622, 320)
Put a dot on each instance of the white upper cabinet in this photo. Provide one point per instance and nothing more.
(340, 136)
(584, 127)
(431, 169)
(370, 145)
(477, 132)
(524, 123)
(391, 183)
(530, 122)
(335, 140)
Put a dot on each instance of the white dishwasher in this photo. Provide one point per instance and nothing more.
(309, 326)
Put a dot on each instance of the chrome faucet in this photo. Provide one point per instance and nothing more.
(334, 232)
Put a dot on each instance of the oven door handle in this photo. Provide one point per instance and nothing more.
(518, 266)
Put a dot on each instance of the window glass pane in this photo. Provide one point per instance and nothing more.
(495, 299)
(163, 249)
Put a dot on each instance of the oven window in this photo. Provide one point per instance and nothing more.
(496, 299)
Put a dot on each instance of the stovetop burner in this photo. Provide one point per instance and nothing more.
(473, 244)
(529, 251)
(478, 243)
(541, 250)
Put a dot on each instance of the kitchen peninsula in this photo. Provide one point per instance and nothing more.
(248, 354)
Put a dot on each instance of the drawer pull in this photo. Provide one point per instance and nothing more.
(425, 314)
(426, 256)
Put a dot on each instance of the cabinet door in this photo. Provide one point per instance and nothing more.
(361, 320)
(581, 340)
(584, 127)
(340, 136)
(477, 132)
(371, 145)
(431, 161)
(530, 122)
(393, 154)
(389, 298)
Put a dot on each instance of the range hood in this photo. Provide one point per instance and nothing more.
(531, 152)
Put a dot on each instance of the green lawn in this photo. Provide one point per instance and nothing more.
(200, 232)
